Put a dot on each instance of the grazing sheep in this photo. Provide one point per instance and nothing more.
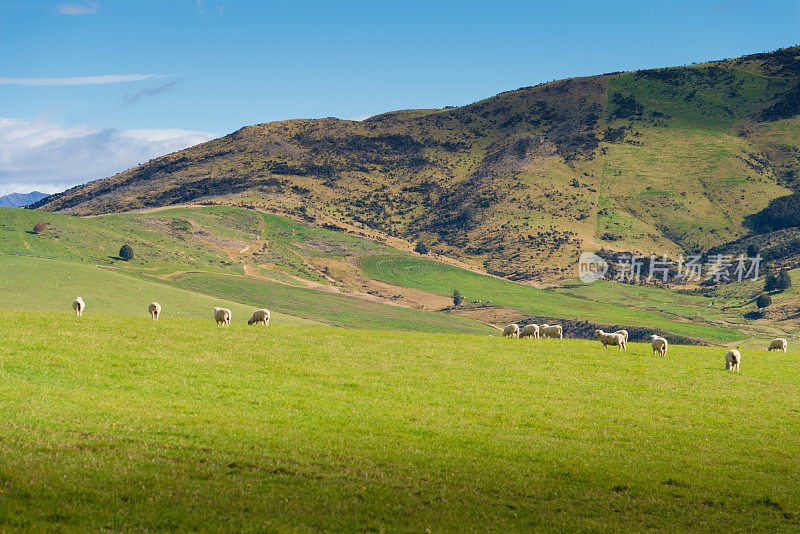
(222, 316)
(624, 334)
(778, 344)
(531, 331)
(259, 316)
(611, 338)
(732, 359)
(659, 345)
(551, 331)
(155, 310)
(78, 305)
(511, 330)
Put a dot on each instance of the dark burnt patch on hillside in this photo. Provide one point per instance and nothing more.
(787, 105)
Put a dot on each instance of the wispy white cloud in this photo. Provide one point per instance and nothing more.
(83, 8)
(82, 80)
(728, 5)
(359, 118)
(147, 92)
(36, 154)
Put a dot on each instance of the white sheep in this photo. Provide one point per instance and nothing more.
(624, 334)
(732, 359)
(155, 310)
(222, 316)
(554, 331)
(660, 345)
(259, 316)
(778, 344)
(611, 338)
(511, 330)
(531, 331)
(78, 305)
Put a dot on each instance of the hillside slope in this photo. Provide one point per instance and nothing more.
(661, 160)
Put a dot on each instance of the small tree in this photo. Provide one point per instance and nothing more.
(763, 301)
(126, 253)
(770, 283)
(752, 250)
(40, 227)
(421, 248)
(457, 298)
(784, 281)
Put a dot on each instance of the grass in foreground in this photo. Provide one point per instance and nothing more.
(117, 423)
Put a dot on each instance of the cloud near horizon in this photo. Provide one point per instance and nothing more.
(40, 155)
(82, 80)
(84, 8)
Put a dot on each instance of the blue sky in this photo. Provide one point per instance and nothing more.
(89, 88)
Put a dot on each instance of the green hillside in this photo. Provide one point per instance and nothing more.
(111, 424)
(660, 160)
(329, 277)
(614, 308)
(42, 284)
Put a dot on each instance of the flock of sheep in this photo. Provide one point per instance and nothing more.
(620, 339)
(221, 315)
(532, 331)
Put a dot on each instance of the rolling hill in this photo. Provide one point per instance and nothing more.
(194, 257)
(661, 160)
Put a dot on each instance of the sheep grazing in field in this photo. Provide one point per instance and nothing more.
(554, 331)
(778, 344)
(732, 359)
(259, 316)
(624, 334)
(78, 305)
(222, 316)
(511, 330)
(660, 345)
(155, 310)
(531, 331)
(611, 338)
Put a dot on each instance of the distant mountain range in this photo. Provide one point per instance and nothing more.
(20, 200)
(660, 161)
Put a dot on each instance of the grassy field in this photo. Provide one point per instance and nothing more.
(115, 423)
(51, 285)
(442, 279)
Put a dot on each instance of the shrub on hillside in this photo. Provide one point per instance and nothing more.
(126, 252)
(40, 227)
(457, 298)
(784, 280)
(763, 301)
(421, 248)
(782, 212)
(770, 283)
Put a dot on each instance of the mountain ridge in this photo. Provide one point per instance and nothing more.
(659, 160)
(20, 200)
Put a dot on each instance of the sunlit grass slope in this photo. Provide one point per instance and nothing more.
(51, 285)
(332, 308)
(121, 424)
